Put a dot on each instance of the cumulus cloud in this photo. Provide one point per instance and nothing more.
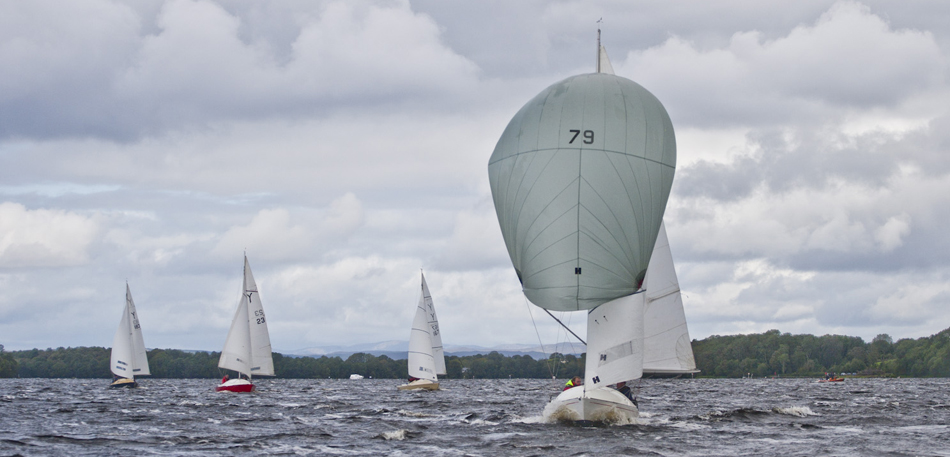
(344, 144)
(44, 237)
(849, 58)
(122, 73)
(270, 234)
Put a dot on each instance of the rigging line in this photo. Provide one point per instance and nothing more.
(548, 364)
(570, 317)
(565, 327)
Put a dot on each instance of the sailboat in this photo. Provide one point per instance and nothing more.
(580, 179)
(426, 357)
(247, 348)
(128, 347)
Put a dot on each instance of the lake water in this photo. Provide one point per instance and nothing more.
(789, 417)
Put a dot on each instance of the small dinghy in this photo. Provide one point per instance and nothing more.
(129, 358)
(247, 348)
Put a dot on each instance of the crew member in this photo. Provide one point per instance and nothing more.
(574, 382)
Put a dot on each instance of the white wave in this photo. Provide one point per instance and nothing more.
(291, 405)
(397, 435)
(480, 422)
(797, 411)
(403, 412)
(528, 420)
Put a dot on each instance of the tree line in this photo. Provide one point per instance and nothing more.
(93, 362)
(764, 354)
(773, 353)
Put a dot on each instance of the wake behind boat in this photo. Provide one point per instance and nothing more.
(129, 358)
(426, 357)
(247, 348)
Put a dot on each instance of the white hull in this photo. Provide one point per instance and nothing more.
(420, 384)
(605, 405)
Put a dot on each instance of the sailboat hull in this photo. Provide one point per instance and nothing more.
(602, 405)
(124, 382)
(420, 384)
(235, 385)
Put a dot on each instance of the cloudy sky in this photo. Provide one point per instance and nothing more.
(344, 145)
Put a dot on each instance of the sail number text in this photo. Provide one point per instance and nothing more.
(588, 136)
(259, 316)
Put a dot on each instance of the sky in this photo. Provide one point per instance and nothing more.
(343, 145)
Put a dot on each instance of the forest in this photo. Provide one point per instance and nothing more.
(763, 354)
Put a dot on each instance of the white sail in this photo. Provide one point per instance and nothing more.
(615, 342)
(421, 362)
(603, 63)
(236, 354)
(247, 348)
(128, 347)
(262, 361)
(667, 346)
(437, 353)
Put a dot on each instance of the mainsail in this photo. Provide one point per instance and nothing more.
(421, 363)
(128, 347)
(437, 353)
(247, 348)
(667, 348)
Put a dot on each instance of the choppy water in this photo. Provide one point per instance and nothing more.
(861, 417)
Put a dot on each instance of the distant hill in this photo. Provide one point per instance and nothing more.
(398, 350)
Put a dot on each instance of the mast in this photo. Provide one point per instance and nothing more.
(598, 50)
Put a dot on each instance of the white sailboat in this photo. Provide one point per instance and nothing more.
(580, 180)
(247, 348)
(426, 358)
(129, 358)
(654, 319)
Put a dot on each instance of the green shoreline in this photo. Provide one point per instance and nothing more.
(761, 355)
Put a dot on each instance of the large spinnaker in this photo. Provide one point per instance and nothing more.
(580, 179)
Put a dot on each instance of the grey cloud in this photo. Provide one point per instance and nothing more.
(119, 77)
(784, 161)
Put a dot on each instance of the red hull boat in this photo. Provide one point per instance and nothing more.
(235, 385)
